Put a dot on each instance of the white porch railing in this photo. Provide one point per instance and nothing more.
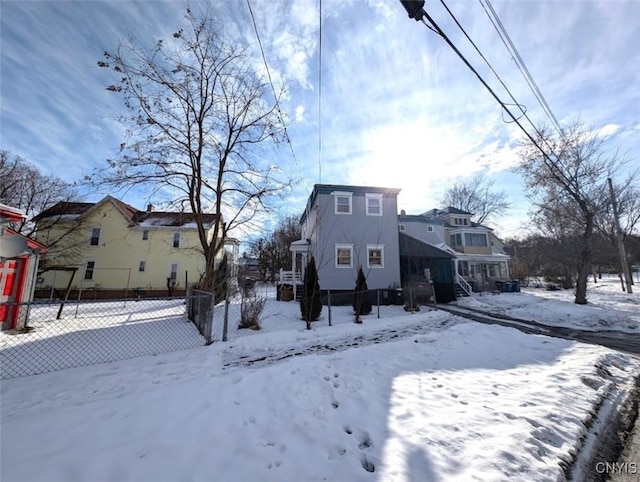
(466, 287)
(290, 277)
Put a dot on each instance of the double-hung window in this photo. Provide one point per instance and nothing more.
(344, 256)
(89, 268)
(375, 256)
(374, 204)
(95, 237)
(176, 240)
(342, 202)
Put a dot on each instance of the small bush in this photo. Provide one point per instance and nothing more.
(310, 302)
(251, 307)
(361, 301)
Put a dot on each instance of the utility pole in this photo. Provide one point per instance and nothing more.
(621, 250)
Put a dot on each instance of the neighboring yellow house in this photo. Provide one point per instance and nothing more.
(117, 247)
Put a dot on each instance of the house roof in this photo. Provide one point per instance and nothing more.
(420, 218)
(75, 210)
(410, 246)
(443, 212)
(171, 219)
(358, 190)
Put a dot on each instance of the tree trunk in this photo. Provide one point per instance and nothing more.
(585, 262)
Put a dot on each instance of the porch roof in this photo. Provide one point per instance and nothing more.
(410, 246)
(300, 246)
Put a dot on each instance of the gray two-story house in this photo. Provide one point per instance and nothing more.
(348, 227)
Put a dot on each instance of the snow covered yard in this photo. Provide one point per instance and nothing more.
(95, 332)
(421, 397)
(608, 308)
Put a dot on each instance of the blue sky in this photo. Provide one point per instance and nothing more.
(399, 109)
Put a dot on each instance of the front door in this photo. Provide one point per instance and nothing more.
(8, 291)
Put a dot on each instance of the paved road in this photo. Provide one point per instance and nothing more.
(624, 342)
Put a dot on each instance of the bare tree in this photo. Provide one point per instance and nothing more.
(198, 120)
(22, 185)
(478, 197)
(567, 185)
(273, 250)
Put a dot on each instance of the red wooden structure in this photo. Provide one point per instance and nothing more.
(19, 257)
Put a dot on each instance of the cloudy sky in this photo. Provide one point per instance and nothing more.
(398, 108)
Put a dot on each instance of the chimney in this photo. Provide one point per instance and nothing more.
(149, 208)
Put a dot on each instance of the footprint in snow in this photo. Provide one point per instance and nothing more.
(347, 429)
(335, 403)
(365, 441)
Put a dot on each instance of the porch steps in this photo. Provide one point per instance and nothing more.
(460, 291)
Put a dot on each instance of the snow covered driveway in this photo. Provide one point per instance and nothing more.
(451, 401)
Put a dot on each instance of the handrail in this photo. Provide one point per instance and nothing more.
(466, 287)
(290, 277)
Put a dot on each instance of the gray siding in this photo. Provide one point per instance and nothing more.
(359, 230)
(419, 230)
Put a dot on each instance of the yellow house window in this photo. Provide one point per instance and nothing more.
(176, 240)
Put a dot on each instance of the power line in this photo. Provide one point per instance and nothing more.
(486, 61)
(522, 67)
(418, 14)
(320, 92)
(273, 89)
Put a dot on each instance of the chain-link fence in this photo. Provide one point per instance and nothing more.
(263, 309)
(46, 336)
(50, 336)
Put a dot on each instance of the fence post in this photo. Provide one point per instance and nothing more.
(329, 305)
(378, 296)
(225, 326)
(209, 326)
(411, 299)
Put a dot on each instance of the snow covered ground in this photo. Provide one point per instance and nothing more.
(608, 308)
(426, 397)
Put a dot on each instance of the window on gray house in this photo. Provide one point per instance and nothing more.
(375, 256)
(374, 204)
(475, 239)
(343, 204)
(430, 229)
(344, 254)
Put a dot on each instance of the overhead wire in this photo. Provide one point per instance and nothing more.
(486, 61)
(435, 27)
(273, 89)
(522, 67)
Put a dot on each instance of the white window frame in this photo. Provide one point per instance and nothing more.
(91, 238)
(173, 274)
(376, 247)
(402, 227)
(145, 235)
(349, 247)
(339, 194)
(430, 229)
(368, 198)
(176, 240)
(142, 266)
(86, 269)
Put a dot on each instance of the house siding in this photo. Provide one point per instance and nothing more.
(326, 229)
(121, 249)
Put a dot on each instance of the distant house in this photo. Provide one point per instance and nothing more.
(480, 258)
(119, 248)
(19, 258)
(347, 227)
